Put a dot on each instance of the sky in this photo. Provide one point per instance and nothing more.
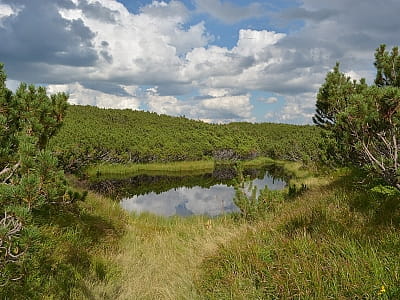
(212, 60)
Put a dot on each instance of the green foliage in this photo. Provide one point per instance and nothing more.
(334, 95)
(387, 67)
(361, 122)
(370, 126)
(93, 135)
(30, 183)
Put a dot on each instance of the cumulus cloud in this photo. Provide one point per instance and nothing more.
(298, 109)
(83, 96)
(227, 108)
(213, 106)
(98, 46)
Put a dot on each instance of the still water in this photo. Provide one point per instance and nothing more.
(207, 194)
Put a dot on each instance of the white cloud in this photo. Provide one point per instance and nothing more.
(231, 107)
(254, 42)
(165, 104)
(160, 46)
(353, 75)
(5, 10)
(143, 47)
(242, 66)
(298, 109)
(83, 96)
(215, 106)
(12, 84)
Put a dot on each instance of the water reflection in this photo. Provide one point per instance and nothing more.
(206, 194)
(184, 201)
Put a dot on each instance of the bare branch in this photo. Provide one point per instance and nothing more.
(12, 170)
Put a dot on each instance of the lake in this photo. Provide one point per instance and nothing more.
(209, 194)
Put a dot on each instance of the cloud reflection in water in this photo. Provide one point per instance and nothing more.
(184, 201)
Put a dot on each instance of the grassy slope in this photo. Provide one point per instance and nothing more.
(333, 241)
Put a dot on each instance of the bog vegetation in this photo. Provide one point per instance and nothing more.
(332, 233)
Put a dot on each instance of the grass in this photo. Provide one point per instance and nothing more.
(182, 167)
(159, 257)
(179, 168)
(258, 162)
(68, 244)
(319, 246)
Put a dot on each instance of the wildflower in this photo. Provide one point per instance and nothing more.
(208, 224)
(382, 290)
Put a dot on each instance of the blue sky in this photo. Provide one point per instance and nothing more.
(213, 60)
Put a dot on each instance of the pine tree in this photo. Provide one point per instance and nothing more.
(29, 176)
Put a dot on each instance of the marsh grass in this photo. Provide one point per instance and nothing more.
(317, 246)
(170, 168)
(178, 168)
(258, 162)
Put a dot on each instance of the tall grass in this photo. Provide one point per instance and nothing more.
(318, 246)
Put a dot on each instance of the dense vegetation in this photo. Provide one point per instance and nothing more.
(363, 121)
(37, 253)
(92, 135)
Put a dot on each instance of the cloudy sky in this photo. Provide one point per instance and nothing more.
(214, 60)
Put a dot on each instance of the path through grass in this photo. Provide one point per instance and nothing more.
(159, 258)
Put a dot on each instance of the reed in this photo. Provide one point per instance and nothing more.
(171, 168)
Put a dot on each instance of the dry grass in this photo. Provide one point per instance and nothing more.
(159, 257)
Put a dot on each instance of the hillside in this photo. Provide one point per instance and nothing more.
(92, 134)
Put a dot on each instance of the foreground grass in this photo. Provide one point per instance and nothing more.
(332, 242)
(68, 244)
(159, 257)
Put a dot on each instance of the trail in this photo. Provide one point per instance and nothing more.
(159, 258)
